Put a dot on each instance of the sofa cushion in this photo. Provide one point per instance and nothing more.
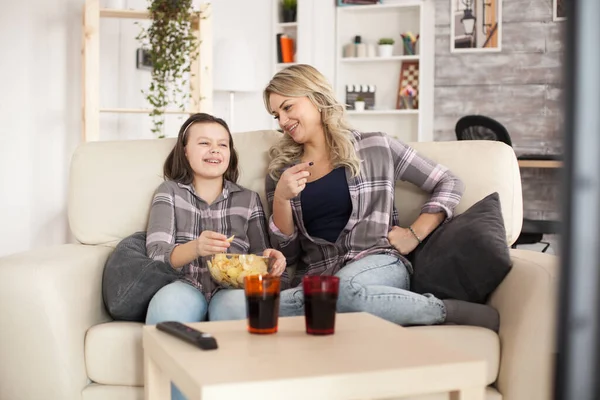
(114, 356)
(479, 342)
(466, 258)
(111, 183)
(131, 279)
(95, 391)
(490, 394)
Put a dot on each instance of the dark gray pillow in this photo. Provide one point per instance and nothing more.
(466, 258)
(131, 278)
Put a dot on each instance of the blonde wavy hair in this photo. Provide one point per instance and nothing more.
(305, 81)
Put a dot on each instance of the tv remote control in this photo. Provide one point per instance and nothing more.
(203, 340)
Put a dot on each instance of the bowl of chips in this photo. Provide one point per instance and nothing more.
(229, 270)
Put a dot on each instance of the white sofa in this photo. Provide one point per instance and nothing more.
(58, 342)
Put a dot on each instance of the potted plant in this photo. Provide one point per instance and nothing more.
(172, 48)
(289, 10)
(359, 103)
(386, 47)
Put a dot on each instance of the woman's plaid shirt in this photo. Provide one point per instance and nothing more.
(384, 161)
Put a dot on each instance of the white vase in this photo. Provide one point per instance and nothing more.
(359, 105)
(386, 50)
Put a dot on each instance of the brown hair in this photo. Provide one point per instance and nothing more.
(177, 167)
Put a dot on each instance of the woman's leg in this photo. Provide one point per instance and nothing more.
(379, 284)
(177, 301)
(227, 304)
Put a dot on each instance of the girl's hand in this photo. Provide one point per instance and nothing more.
(209, 243)
(292, 181)
(402, 239)
(279, 264)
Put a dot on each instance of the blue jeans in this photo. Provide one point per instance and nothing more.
(380, 285)
(179, 301)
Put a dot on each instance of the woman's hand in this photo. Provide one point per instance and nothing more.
(209, 243)
(292, 181)
(403, 240)
(279, 264)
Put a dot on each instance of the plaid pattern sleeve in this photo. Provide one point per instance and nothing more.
(257, 230)
(160, 236)
(288, 245)
(445, 188)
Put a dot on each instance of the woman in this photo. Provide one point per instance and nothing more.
(331, 192)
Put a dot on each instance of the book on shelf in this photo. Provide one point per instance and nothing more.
(342, 3)
(285, 49)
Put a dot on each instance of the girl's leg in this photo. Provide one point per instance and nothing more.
(230, 304)
(227, 304)
(177, 301)
(291, 302)
(379, 284)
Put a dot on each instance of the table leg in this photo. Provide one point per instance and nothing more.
(476, 393)
(156, 385)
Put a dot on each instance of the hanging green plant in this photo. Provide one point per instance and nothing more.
(170, 41)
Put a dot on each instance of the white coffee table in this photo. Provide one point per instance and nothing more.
(367, 358)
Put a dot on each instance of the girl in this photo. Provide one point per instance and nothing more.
(331, 190)
(193, 213)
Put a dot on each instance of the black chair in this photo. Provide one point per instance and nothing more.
(480, 127)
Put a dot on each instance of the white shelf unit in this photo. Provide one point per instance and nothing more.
(296, 30)
(291, 29)
(388, 20)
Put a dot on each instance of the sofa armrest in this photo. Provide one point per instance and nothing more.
(49, 298)
(526, 301)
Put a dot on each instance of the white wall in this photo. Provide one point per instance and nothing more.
(39, 114)
(40, 98)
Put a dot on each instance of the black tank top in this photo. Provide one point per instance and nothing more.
(326, 205)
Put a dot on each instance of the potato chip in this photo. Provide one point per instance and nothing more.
(230, 269)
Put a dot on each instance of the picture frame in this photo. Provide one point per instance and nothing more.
(475, 26)
(559, 10)
(143, 60)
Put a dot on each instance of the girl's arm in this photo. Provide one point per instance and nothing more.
(162, 231)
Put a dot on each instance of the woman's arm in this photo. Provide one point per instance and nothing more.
(289, 244)
(446, 191)
(291, 183)
(257, 229)
(406, 240)
(259, 239)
